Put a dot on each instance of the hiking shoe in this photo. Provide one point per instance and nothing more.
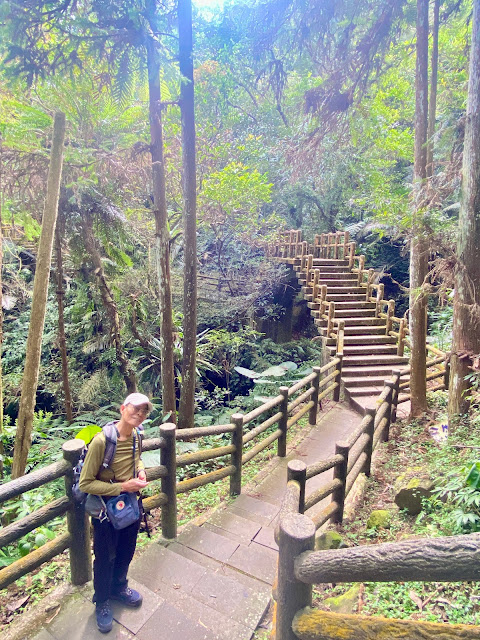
(129, 597)
(103, 613)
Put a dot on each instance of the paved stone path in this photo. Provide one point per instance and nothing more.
(214, 581)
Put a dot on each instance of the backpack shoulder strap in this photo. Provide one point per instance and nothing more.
(110, 432)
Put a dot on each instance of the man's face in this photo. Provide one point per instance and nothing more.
(134, 415)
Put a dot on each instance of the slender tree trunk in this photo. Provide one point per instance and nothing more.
(419, 248)
(1, 309)
(109, 304)
(466, 307)
(39, 302)
(61, 325)
(187, 104)
(432, 101)
(162, 234)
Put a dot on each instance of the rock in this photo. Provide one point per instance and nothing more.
(379, 519)
(345, 603)
(329, 540)
(410, 489)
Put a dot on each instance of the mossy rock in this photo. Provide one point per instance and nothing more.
(379, 519)
(329, 540)
(345, 603)
(411, 488)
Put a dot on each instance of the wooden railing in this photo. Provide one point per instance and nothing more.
(290, 246)
(446, 559)
(333, 245)
(250, 434)
(299, 566)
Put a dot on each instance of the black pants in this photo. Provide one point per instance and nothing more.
(113, 553)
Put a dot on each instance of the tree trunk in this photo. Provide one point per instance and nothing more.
(162, 234)
(466, 307)
(432, 101)
(419, 249)
(39, 302)
(62, 343)
(187, 104)
(109, 303)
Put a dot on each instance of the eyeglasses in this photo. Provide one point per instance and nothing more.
(143, 411)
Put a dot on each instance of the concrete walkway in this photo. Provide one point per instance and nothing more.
(214, 581)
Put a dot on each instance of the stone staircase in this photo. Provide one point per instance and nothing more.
(339, 299)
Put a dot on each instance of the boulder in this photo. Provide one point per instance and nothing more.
(329, 540)
(379, 519)
(410, 489)
(345, 603)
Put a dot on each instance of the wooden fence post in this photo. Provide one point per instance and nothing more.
(371, 275)
(331, 313)
(338, 378)
(282, 423)
(401, 338)
(312, 415)
(361, 266)
(236, 457)
(168, 458)
(346, 238)
(379, 303)
(386, 432)
(340, 473)
(446, 378)
(77, 521)
(297, 470)
(351, 259)
(370, 430)
(323, 300)
(396, 391)
(390, 314)
(296, 535)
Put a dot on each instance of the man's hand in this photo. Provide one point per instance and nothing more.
(142, 475)
(133, 485)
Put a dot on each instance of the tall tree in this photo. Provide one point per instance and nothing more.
(466, 309)
(62, 342)
(187, 105)
(39, 301)
(432, 100)
(162, 234)
(419, 246)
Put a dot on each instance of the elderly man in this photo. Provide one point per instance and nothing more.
(114, 548)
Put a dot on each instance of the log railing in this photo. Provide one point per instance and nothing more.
(249, 435)
(299, 566)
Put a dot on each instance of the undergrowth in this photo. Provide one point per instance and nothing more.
(412, 447)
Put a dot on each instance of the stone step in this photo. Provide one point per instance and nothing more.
(365, 381)
(320, 262)
(368, 371)
(371, 340)
(354, 313)
(343, 291)
(366, 350)
(346, 297)
(356, 330)
(374, 360)
(337, 275)
(358, 322)
(356, 392)
(355, 304)
(347, 282)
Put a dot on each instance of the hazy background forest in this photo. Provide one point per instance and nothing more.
(304, 119)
